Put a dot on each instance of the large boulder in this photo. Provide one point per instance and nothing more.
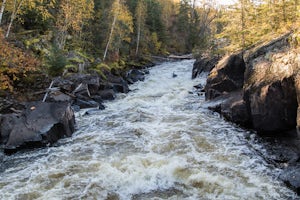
(204, 64)
(39, 124)
(118, 84)
(108, 94)
(232, 107)
(271, 87)
(227, 76)
(272, 106)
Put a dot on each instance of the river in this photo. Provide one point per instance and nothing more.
(156, 142)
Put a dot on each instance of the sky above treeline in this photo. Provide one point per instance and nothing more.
(226, 2)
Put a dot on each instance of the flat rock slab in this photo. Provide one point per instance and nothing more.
(40, 124)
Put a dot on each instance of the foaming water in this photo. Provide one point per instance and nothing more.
(157, 142)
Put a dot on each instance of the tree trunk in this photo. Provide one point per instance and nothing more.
(2, 10)
(243, 23)
(13, 16)
(138, 40)
(111, 31)
(139, 15)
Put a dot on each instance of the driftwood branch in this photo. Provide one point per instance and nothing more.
(47, 91)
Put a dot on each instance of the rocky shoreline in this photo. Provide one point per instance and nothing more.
(49, 115)
(259, 89)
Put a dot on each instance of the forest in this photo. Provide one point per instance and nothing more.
(55, 37)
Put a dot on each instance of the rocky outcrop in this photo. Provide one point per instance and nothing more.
(269, 88)
(297, 87)
(268, 84)
(232, 107)
(29, 125)
(39, 124)
(272, 106)
(227, 76)
(80, 90)
(204, 64)
(89, 91)
(263, 95)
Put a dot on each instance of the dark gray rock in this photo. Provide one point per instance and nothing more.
(107, 94)
(9, 105)
(272, 106)
(85, 104)
(93, 111)
(70, 83)
(59, 96)
(297, 87)
(39, 124)
(135, 75)
(291, 177)
(118, 84)
(7, 123)
(199, 86)
(232, 107)
(227, 76)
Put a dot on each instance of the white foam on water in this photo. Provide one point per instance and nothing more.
(155, 142)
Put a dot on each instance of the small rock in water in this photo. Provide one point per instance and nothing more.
(174, 75)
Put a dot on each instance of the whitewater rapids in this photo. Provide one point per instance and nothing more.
(156, 142)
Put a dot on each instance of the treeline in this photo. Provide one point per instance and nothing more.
(66, 34)
(249, 22)
(109, 32)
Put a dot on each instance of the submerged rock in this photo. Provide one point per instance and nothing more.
(39, 124)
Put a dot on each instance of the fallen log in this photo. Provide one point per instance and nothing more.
(182, 57)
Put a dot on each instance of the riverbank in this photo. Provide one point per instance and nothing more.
(259, 89)
(34, 116)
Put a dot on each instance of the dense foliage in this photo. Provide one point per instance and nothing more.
(254, 21)
(14, 64)
(114, 32)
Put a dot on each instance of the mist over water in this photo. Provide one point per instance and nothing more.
(157, 142)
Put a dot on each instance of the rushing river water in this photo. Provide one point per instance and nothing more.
(157, 142)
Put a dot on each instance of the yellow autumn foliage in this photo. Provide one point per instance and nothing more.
(14, 64)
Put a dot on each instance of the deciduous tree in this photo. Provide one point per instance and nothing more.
(120, 29)
(14, 64)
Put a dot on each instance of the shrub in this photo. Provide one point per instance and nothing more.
(56, 62)
(15, 64)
